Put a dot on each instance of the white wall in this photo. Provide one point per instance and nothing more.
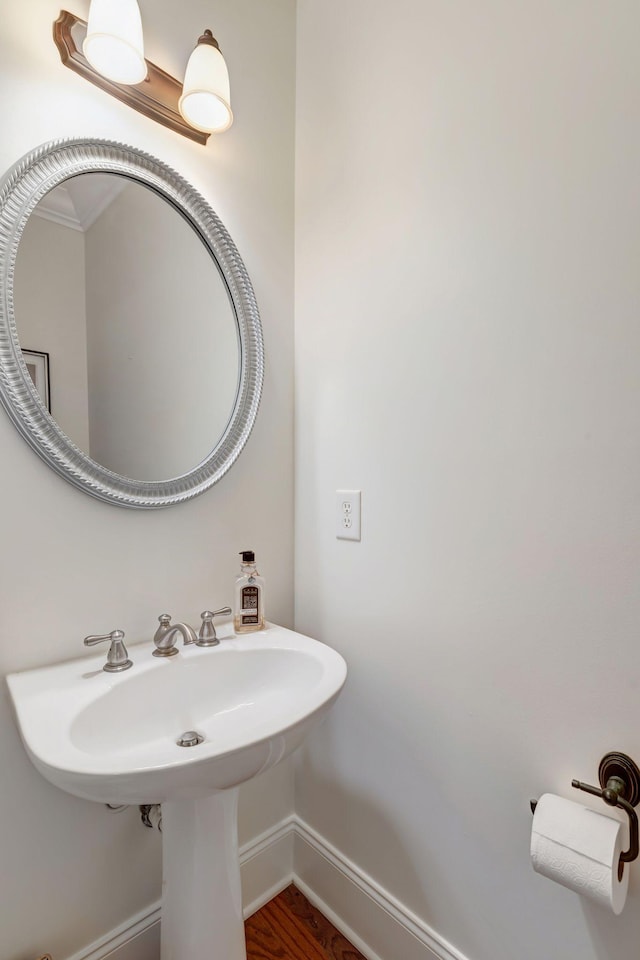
(467, 343)
(50, 316)
(72, 565)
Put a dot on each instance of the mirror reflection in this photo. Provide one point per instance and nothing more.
(122, 294)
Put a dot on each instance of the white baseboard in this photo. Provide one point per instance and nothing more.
(375, 922)
(369, 916)
(138, 938)
(266, 865)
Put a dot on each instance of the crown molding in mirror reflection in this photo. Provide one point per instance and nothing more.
(156, 97)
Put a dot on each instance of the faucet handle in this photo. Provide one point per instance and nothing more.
(117, 656)
(207, 633)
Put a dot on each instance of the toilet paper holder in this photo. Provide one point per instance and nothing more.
(619, 780)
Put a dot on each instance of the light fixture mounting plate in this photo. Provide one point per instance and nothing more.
(156, 97)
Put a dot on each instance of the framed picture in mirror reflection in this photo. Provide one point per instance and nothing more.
(37, 363)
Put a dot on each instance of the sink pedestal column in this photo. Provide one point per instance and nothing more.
(201, 893)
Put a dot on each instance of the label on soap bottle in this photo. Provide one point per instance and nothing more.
(249, 611)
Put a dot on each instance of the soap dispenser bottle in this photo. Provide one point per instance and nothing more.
(248, 596)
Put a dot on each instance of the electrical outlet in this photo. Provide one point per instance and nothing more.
(348, 503)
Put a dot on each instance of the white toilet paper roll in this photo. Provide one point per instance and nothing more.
(580, 849)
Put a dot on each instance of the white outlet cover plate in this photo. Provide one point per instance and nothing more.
(348, 514)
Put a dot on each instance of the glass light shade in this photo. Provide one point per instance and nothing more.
(114, 45)
(206, 100)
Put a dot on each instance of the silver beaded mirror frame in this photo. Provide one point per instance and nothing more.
(22, 188)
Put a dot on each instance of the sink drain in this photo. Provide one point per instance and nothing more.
(190, 739)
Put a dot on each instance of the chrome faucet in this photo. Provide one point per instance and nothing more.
(165, 636)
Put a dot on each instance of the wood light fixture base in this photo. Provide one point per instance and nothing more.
(156, 97)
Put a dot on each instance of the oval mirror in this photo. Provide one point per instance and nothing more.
(131, 354)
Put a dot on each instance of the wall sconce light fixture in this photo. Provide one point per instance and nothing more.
(205, 100)
(109, 52)
(113, 44)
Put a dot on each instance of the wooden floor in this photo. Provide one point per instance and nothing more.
(289, 928)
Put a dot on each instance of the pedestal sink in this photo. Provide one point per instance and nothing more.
(113, 738)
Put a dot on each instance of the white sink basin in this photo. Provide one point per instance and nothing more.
(112, 737)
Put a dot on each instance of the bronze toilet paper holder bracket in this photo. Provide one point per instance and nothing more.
(619, 778)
